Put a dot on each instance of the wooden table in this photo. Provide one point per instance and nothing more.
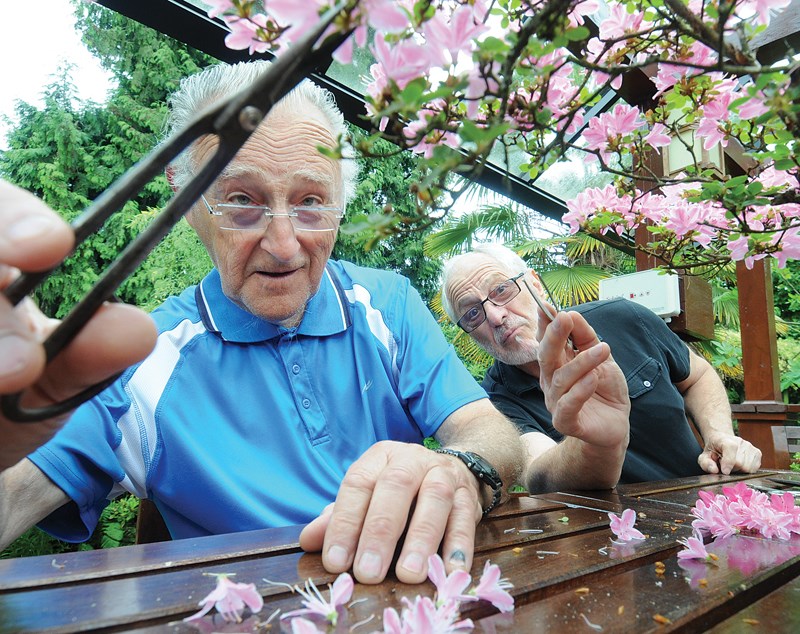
(567, 578)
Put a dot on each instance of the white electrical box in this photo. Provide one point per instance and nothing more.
(657, 290)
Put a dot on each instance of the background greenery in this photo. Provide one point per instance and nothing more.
(68, 152)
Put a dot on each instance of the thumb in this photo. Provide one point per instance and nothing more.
(313, 535)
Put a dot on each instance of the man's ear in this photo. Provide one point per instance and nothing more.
(170, 174)
(537, 284)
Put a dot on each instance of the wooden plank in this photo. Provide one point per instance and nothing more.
(128, 560)
(692, 596)
(696, 482)
(777, 612)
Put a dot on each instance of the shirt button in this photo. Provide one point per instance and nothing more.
(306, 403)
(296, 369)
(647, 384)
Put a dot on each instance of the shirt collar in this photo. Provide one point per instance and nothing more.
(327, 312)
(516, 381)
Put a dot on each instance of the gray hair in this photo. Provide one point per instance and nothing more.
(217, 82)
(508, 260)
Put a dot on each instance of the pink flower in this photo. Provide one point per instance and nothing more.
(402, 61)
(244, 33)
(218, 7)
(422, 616)
(752, 108)
(300, 17)
(230, 599)
(341, 591)
(762, 8)
(448, 587)
(455, 33)
(694, 549)
(658, 136)
(304, 626)
(622, 527)
(493, 589)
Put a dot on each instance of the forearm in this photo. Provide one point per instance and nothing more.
(707, 405)
(26, 497)
(574, 464)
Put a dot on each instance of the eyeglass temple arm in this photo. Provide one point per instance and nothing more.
(232, 122)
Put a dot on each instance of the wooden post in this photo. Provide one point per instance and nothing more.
(763, 415)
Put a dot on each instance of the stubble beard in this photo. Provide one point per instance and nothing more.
(524, 351)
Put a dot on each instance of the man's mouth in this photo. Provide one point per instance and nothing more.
(277, 275)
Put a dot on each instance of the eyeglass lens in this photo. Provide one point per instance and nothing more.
(243, 218)
(500, 295)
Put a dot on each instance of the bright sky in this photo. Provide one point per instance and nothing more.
(32, 47)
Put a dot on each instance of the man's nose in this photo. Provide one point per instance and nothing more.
(495, 315)
(280, 239)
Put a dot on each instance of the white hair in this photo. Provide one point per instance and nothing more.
(508, 260)
(200, 91)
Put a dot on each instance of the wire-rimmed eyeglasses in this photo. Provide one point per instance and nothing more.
(500, 295)
(258, 217)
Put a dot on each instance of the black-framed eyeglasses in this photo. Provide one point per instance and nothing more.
(500, 295)
(257, 217)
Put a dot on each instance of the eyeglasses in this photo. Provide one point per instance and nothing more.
(500, 295)
(258, 217)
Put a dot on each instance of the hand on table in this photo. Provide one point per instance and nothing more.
(585, 390)
(34, 238)
(391, 487)
(726, 453)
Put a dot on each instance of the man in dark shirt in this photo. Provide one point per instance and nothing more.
(592, 419)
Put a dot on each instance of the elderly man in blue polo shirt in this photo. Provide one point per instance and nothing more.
(285, 388)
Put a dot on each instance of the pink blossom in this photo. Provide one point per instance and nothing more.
(493, 589)
(304, 626)
(620, 22)
(622, 527)
(422, 616)
(218, 7)
(300, 17)
(710, 131)
(752, 108)
(587, 7)
(693, 549)
(229, 599)
(448, 587)
(341, 591)
(455, 33)
(762, 8)
(386, 16)
(244, 33)
(738, 247)
(402, 61)
(658, 136)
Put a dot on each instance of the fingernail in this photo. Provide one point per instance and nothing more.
(29, 227)
(413, 563)
(370, 564)
(13, 352)
(596, 350)
(337, 557)
(457, 558)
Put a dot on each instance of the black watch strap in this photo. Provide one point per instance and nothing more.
(482, 470)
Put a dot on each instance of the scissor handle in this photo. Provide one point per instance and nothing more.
(232, 121)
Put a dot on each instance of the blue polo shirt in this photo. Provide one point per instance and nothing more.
(234, 423)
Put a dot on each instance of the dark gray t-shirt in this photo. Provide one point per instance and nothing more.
(662, 445)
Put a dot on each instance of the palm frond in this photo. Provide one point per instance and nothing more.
(496, 222)
(571, 285)
(726, 306)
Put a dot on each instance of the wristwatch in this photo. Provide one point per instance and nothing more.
(482, 470)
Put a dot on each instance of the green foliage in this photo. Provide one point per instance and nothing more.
(795, 464)
(116, 527)
(68, 153)
(384, 185)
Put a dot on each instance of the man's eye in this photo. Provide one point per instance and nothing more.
(240, 199)
(310, 201)
(473, 313)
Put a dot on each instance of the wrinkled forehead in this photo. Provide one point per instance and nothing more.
(473, 276)
(285, 144)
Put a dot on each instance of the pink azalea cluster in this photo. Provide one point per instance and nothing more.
(741, 509)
